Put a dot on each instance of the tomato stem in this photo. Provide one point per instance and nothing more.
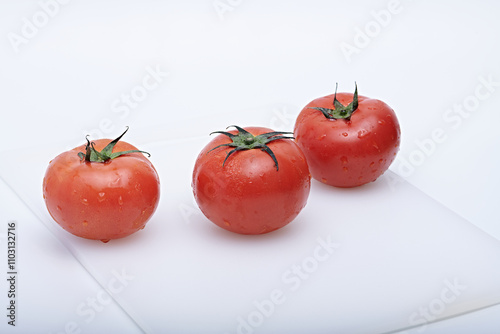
(93, 155)
(340, 111)
(244, 140)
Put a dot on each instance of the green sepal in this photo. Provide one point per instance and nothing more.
(93, 155)
(340, 111)
(244, 140)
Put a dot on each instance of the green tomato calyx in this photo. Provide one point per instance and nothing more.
(339, 110)
(93, 155)
(244, 140)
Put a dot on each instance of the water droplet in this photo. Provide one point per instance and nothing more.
(101, 196)
(345, 134)
(376, 146)
(344, 169)
(115, 182)
(228, 224)
(372, 164)
(85, 223)
(265, 228)
(58, 208)
(380, 161)
(381, 122)
(344, 160)
(138, 186)
(323, 180)
(323, 136)
(105, 240)
(85, 201)
(363, 133)
(120, 200)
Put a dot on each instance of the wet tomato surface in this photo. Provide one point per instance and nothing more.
(247, 188)
(350, 142)
(101, 200)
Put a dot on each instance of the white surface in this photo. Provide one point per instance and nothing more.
(383, 262)
(258, 65)
(54, 293)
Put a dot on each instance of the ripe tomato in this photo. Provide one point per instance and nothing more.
(349, 140)
(252, 181)
(101, 195)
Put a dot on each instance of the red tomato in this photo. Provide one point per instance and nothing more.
(253, 181)
(101, 200)
(349, 142)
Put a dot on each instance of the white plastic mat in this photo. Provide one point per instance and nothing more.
(378, 258)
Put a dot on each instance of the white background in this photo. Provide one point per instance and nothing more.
(67, 69)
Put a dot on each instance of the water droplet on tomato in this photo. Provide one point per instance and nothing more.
(85, 223)
(344, 160)
(372, 164)
(376, 146)
(138, 186)
(381, 122)
(115, 182)
(345, 134)
(380, 161)
(265, 228)
(120, 200)
(323, 136)
(363, 133)
(85, 201)
(228, 224)
(58, 208)
(323, 180)
(105, 240)
(345, 169)
(101, 196)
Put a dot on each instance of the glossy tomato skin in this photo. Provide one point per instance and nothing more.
(101, 200)
(348, 153)
(248, 195)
